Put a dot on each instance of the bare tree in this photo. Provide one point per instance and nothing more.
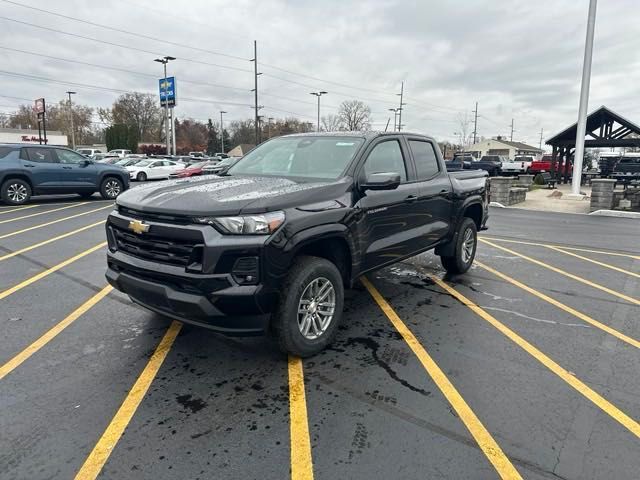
(332, 123)
(139, 109)
(355, 115)
(463, 129)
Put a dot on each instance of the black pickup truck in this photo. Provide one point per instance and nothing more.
(271, 244)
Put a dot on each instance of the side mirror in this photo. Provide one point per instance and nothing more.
(381, 181)
(87, 162)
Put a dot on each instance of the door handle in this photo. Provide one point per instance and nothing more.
(444, 191)
(67, 168)
(29, 165)
(411, 199)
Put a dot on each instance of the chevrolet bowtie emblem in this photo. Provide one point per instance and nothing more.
(138, 226)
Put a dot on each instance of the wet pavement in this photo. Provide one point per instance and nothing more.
(526, 366)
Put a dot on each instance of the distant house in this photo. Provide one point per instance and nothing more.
(241, 150)
(500, 146)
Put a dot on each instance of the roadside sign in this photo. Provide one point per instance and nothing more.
(39, 105)
(168, 91)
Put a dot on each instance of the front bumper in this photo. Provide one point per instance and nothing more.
(211, 297)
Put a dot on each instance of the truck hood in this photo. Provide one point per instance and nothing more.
(212, 195)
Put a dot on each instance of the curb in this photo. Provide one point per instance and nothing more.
(616, 213)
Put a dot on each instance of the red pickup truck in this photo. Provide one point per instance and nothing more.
(544, 165)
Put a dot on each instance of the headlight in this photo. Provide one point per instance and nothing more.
(264, 224)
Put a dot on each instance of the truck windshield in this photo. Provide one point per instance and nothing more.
(300, 157)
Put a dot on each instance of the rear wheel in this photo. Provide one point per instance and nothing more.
(15, 191)
(464, 250)
(110, 188)
(310, 307)
(141, 177)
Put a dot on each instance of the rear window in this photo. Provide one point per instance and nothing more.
(4, 151)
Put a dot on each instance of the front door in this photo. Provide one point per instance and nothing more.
(43, 167)
(76, 174)
(386, 224)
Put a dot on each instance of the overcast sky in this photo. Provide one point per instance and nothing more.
(519, 59)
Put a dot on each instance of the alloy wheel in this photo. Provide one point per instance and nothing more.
(112, 188)
(316, 308)
(468, 243)
(17, 192)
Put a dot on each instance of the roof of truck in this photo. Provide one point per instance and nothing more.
(369, 134)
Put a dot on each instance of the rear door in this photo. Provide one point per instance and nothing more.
(43, 166)
(76, 174)
(388, 221)
(434, 207)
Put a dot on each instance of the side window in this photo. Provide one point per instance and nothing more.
(425, 158)
(40, 155)
(69, 157)
(386, 157)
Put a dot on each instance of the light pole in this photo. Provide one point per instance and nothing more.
(584, 101)
(164, 61)
(73, 133)
(221, 132)
(395, 116)
(318, 94)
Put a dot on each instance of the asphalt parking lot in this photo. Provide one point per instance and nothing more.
(527, 366)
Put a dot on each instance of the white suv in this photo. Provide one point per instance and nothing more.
(121, 152)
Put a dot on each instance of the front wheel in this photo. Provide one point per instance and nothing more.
(464, 249)
(310, 307)
(110, 188)
(142, 177)
(15, 191)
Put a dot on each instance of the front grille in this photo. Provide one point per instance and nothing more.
(185, 253)
(158, 217)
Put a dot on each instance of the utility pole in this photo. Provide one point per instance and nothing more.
(511, 130)
(541, 133)
(318, 94)
(475, 124)
(584, 101)
(401, 94)
(164, 61)
(255, 89)
(395, 117)
(221, 132)
(73, 133)
(173, 131)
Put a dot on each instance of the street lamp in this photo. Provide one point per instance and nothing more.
(221, 132)
(395, 116)
(164, 61)
(318, 94)
(73, 133)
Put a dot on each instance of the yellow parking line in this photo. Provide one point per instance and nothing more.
(489, 446)
(9, 210)
(52, 333)
(42, 213)
(574, 249)
(606, 406)
(48, 271)
(602, 264)
(621, 336)
(109, 439)
(6, 235)
(59, 237)
(566, 274)
(301, 459)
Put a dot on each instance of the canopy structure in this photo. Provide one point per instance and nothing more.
(605, 128)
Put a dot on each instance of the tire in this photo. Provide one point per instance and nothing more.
(528, 171)
(306, 274)
(464, 250)
(15, 191)
(110, 188)
(141, 177)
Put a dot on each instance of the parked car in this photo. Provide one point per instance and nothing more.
(216, 168)
(153, 169)
(629, 164)
(490, 163)
(110, 159)
(544, 165)
(197, 154)
(287, 228)
(129, 161)
(520, 164)
(190, 170)
(120, 152)
(89, 152)
(40, 169)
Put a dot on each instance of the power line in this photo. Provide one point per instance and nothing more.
(128, 47)
(127, 32)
